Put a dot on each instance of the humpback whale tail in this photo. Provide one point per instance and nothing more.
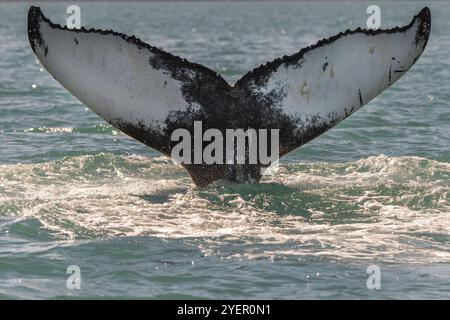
(148, 93)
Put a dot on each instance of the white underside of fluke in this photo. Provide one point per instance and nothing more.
(111, 76)
(114, 78)
(340, 77)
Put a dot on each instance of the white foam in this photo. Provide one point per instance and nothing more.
(374, 208)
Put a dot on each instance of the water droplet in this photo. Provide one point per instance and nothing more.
(430, 98)
(33, 86)
(283, 31)
(37, 61)
(41, 69)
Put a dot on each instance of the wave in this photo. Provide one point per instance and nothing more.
(101, 128)
(386, 208)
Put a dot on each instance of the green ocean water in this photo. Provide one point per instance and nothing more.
(375, 190)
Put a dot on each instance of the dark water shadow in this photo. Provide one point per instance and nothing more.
(274, 197)
(162, 196)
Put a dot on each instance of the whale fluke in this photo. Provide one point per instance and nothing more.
(147, 93)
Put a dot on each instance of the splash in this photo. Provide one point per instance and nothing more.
(387, 208)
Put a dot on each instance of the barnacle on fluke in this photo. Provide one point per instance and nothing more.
(148, 93)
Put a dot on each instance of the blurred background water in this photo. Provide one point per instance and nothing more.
(372, 191)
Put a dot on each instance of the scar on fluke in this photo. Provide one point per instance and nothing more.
(332, 72)
(360, 97)
(76, 41)
(304, 89)
(347, 114)
(324, 67)
(390, 74)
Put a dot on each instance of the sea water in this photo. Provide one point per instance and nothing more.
(369, 198)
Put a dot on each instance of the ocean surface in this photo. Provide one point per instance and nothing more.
(373, 191)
